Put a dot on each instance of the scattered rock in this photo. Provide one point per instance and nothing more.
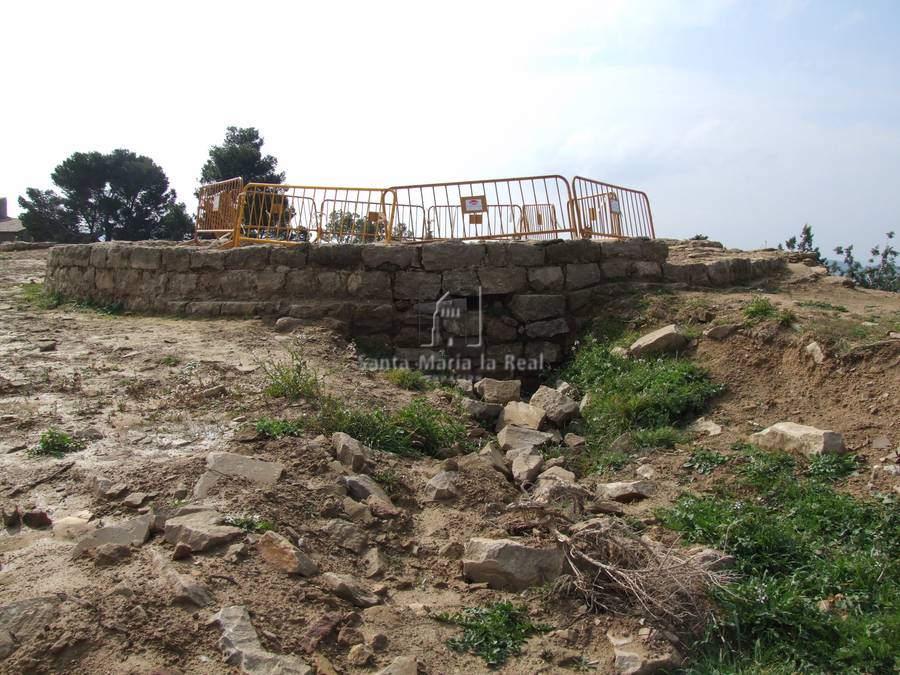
(45, 345)
(632, 661)
(346, 535)
(585, 402)
(481, 410)
(526, 466)
(498, 391)
(626, 491)
(136, 499)
(37, 520)
(574, 441)
(71, 527)
(350, 589)
(645, 471)
(181, 552)
(321, 629)
(213, 392)
(509, 565)
(442, 486)
(705, 426)
(350, 451)
(814, 351)
(180, 589)
(107, 489)
(402, 665)
(521, 415)
(560, 409)
(282, 555)
(133, 532)
(359, 655)
(492, 453)
(720, 332)
(711, 558)
(360, 486)
(110, 554)
(559, 474)
(452, 550)
(201, 530)
(376, 563)
(567, 389)
(516, 438)
(287, 324)
(23, 620)
(241, 647)
(666, 339)
(799, 437)
(12, 518)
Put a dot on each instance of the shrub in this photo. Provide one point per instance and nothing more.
(493, 633)
(704, 461)
(831, 467)
(291, 379)
(412, 380)
(55, 443)
(273, 428)
(763, 309)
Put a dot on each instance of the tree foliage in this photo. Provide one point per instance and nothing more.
(241, 155)
(805, 244)
(879, 272)
(119, 195)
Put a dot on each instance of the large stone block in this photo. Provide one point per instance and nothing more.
(181, 286)
(269, 283)
(537, 307)
(501, 280)
(500, 328)
(301, 283)
(208, 260)
(369, 284)
(546, 278)
(617, 268)
(574, 251)
(389, 257)
(145, 258)
(448, 255)
(461, 281)
(247, 258)
(546, 352)
(345, 256)
(508, 565)
(719, 272)
(332, 283)
(547, 329)
(636, 249)
(98, 256)
(525, 254)
(293, 256)
(176, 259)
(415, 285)
(582, 275)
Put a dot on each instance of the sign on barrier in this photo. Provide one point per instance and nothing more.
(217, 207)
(606, 210)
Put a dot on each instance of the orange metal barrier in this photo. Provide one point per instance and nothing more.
(531, 207)
(606, 210)
(287, 214)
(217, 207)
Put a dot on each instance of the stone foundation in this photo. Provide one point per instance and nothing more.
(534, 296)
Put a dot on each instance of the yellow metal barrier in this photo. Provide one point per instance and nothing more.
(611, 211)
(217, 207)
(288, 214)
(531, 207)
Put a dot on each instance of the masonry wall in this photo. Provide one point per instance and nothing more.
(534, 295)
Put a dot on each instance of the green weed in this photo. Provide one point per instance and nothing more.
(494, 633)
(170, 361)
(55, 443)
(704, 461)
(763, 309)
(831, 467)
(273, 428)
(412, 380)
(292, 379)
(35, 295)
(819, 304)
(610, 461)
(249, 522)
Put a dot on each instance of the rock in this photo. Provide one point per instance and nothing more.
(360, 486)
(346, 535)
(666, 339)
(720, 332)
(799, 437)
(633, 661)
(585, 402)
(498, 391)
(359, 655)
(526, 466)
(382, 509)
(705, 426)
(442, 486)
(356, 511)
(645, 471)
(508, 565)
(481, 410)
(517, 438)
(71, 528)
(242, 649)
(320, 629)
(452, 550)
(521, 415)
(213, 392)
(350, 589)
(136, 499)
(814, 351)
(37, 520)
(287, 324)
(12, 518)
(110, 554)
(107, 489)
(350, 451)
(181, 552)
(402, 665)
(492, 453)
(567, 389)
(711, 558)
(46, 345)
(626, 491)
(554, 483)
(575, 441)
(376, 562)
(133, 532)
(230, 464)
(201, 530)
(558, 473)
(283, 556)
(620, 352)
(180, 589)
(560, 408)
(24, 620)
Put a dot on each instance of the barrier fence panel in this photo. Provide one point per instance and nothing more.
(298, 213)
(532, 207)
(217, 207)
(605, 210)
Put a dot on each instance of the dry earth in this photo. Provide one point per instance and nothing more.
(153, 397)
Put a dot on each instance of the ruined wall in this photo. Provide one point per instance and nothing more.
(534, 296)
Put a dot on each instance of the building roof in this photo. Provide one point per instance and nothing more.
(11, 225)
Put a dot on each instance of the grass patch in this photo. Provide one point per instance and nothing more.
(762, 309)
(843, 333)
(291, 379)
(35, 295)
(55, 443)
(819, 572)
(170, 361)
(831, 467)
(824, 306)
(274, 428)
(645, 398)
(413, 380)
(610, 462)
(387, 478)
(494, 633)
(704, 461)
(248, 522)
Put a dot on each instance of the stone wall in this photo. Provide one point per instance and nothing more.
(534, 296)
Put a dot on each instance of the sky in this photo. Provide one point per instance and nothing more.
(741, 120)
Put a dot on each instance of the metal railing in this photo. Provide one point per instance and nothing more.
(217, 207)
(611, 211)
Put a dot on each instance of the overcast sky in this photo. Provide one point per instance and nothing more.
(742, 120)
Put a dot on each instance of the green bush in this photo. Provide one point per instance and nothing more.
(494, 633)
(412, 380)
(291, 379)
(273, 428)
(55, 443)
(763, 309)
(702, 460)
(249, 522)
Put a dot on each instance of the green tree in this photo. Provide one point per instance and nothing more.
(46, 218)
(120, 195)
(880, 272)
(241, 155)
(805, 244)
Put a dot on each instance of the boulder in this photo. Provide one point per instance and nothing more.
(282, 555)
(498, 391)
(481, 410)
(242, 649)
(287, 324)
(201, 530)
(492, 453)
(705, 426)
(517, 438)
(360, 486)
(557, 473)
(230, 464)
(107, 555)
(567, 389)
(72, 527)
(347, 535)
(526, 466)
(181, 589)
(442, 486)
(720, 332)
(350, 589)
(560, 409)
(666, 339)
(350, 452)
(574, 441)
(133, 532)
(799, 437)
(814, 351)
(402, 665)
(508, 565)
(521, 415)
(626, 491)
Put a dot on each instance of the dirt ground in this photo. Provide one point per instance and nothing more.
(144, 394)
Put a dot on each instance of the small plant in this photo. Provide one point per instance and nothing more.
(248, 522)
(700, 237)
(824, 306)
(412, 380)
(170, 360)
(388, 478)
(611, 461)
(704, 461)
(272, 428)
(291, 379)
(36, 295)
(659, 437)
(494, 633)
(763, 309)
(55, 443)
(831, 467)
